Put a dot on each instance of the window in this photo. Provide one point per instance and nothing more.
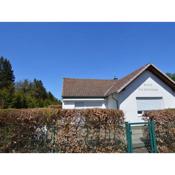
(94, 104)
(88, 104)
(79, 104)
(149, 103)
(139, 112)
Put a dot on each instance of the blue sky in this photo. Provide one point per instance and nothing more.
(51, 51)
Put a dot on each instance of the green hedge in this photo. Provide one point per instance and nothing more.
(164, 128)
(56, 130)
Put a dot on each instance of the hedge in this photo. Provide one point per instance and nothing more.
(164, 129)
(64, 131)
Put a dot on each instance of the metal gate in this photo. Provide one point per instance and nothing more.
(141, 137)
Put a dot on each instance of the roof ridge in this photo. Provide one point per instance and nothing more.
(136, 72)
(90, 79)
(102, 87)
(140, 70)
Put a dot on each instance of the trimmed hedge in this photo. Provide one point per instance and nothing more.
(165, 129)
(56, 130)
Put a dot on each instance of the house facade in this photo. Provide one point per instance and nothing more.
(145, 89)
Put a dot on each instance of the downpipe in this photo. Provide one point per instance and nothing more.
(117, 102)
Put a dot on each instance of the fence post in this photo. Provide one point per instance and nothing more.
(150, 135)
(154, 136)
(128, 137)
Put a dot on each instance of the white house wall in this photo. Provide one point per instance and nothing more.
(146, 85)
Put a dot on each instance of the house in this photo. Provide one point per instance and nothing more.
(144, 89)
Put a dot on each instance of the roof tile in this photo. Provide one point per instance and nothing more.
(101, 88)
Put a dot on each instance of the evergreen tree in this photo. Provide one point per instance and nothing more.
(171, 75)
(19, 101)
(23, 94)
(7, 79)
(32, 94)
(39, 90)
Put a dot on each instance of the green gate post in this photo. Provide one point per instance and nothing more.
(150, 135)
(151, 126)
(154, 136)
(128, 137)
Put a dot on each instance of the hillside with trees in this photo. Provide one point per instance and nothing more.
(172, 76)
(22, 94)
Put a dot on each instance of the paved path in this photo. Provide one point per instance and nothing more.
(140, 150)
(137, 140)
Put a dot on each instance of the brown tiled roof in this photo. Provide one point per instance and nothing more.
(102, 88)
(85, 87)
(125, 80)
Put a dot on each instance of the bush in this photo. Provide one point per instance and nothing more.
(56, 130)
(26, 130)
(165, 129)
(55, 106)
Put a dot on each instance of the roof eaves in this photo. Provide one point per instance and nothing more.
(125, 85)
(83, 97)
(164, 74)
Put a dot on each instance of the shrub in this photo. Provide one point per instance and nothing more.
(56, 130)
(26, 130)
(164, 128)
(55, 106)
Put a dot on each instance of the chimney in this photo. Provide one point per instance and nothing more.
(115, 78)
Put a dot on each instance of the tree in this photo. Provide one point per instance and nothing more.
(32, 94)
(7, 79)
(23, 86)
(22, 94)
(19, 101)
(171, 75)
(39, 90)
(52, 98)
